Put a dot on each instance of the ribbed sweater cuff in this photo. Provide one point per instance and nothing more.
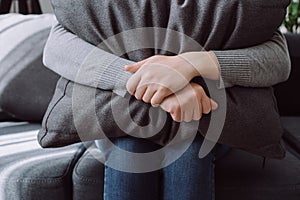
(114, 76)
(234, 68)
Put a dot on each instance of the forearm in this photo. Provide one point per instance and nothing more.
(67, 55)
(258, 66)
(263, 65)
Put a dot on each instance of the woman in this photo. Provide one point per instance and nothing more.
(189, 177)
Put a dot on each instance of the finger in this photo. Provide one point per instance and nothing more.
(132, 84)
(197, 112)
(165, 106)
(214, 104)
(139, 93)
(176, 117)
(206, 104)
(200, 111)
(187, 110)
(187, 115)
(159, 96)
(134, 67)
(176, 113)
(148, 94)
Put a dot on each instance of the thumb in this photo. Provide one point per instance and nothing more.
(214, 105)
(134, 67)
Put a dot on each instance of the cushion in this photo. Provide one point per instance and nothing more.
(240, 175)
(223, 24)
(88, 176)
(29, 172)
(292, 134)
(252, 122)
(26, 86)
(59, 129)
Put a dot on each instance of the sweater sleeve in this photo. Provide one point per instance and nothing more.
(259, 66)
(68, 55)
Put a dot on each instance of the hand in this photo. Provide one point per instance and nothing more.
(159, 76)
(188, 104)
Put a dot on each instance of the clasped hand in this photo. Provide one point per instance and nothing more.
(165, 81)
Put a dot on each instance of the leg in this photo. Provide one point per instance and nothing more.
(129, 186)
(190, 177)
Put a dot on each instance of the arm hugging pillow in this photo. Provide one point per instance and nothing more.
(252, 121)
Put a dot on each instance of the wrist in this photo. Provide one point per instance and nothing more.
(215, 66)
(204, 62)
(189, 69)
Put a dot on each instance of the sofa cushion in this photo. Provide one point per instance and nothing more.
(26, 86)
(29, 172)
(88, 176)
(292, 134)
(240, 175)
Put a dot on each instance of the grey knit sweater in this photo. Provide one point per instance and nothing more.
(249, 54)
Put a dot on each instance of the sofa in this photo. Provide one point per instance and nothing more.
(28, 172)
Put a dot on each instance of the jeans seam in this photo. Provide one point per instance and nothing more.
(104, 185)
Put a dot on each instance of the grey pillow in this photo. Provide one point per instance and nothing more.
(252, 121)
(26, 86)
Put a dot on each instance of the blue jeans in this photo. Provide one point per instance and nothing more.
(188, 178)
